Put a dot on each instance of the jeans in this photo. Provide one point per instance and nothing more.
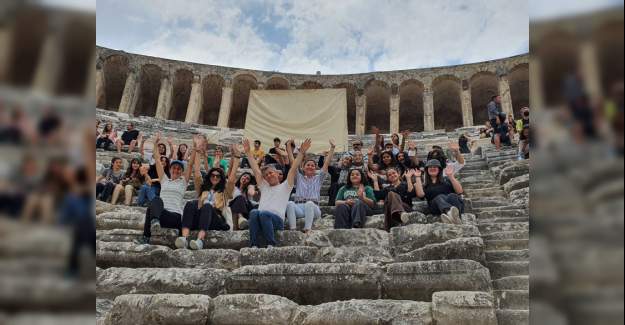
(145, 194)
(443, 202)
(348, 217)
(264, 223)
(309, 211)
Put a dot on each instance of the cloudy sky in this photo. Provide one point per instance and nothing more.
(345, 36)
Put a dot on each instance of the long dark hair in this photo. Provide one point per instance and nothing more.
(130, 173)
(363, 179)
(179, 154)
(428, 178)
(393, 161)
(107, 125)
(207, 185)
(252, 181)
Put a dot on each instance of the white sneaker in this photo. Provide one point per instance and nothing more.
(243, 224)
(454, 214)
(446, 219)
(181, 242)
(405, 217)
(196, 245)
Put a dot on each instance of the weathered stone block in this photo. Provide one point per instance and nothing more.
(462, 307)
(470, 248)
(207, 258)
(308, 283)
(355, 254)
(356, 312)
(418, 280)
(409, 238)
(517, 183)
(124, 254)
(115, 282)
(277, 255)
(163, 309)
(252, 309)
(347, 237)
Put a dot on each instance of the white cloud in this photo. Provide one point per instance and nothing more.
(348, 36)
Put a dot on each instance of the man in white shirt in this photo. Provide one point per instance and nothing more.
(274, 198)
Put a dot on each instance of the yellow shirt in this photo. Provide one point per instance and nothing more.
(258, 153)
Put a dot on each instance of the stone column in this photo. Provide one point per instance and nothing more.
(164, 98)
(50, 64)
(226, 106)
(428, 109)
(537, 97)
(195, 102)
(361, 112)
(93, 69)
(590, 70)
(394, 111)
(467, 110)
(504, 92)
(130, 94)
(6, 40)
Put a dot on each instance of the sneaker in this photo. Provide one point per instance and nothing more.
(181, 242)
(446, 219)
(269, 246)
(142, 241)
(196, 245)
(243, 224)
(454, 214)
(357, 225)
(155, 226)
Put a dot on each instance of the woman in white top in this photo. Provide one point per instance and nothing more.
(206, 213)
(166, 210)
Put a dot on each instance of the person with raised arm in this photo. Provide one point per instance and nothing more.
(442, 193)
(274, 196)
(207, 213)
(308, 191)
(166, 210)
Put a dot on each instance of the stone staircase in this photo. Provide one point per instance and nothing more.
(424, 272)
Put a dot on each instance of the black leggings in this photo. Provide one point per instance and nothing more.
(103, 143)
(157, 211)
(104, 191)
(206, 218)
(241, 205)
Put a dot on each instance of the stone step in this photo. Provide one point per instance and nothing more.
(303, 283)
(513, 317)
(478, 203)
(524, 234)
(508, 244)
(488, 228)
(511, 213)
(512, 299)
(508, 255)
(503, 220)
(500, 270)
(518, 282)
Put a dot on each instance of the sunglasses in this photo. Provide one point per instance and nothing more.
(216, 175)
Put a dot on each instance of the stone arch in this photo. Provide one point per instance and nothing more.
(447, 103)
(484, 85)
(115, 70)
(558, 54)
(78, 40)
(26, 48)
(149, 88)
(519, 80)
(378, 105)
(241, 87)
(411, 105)
(310, 85)
(608, 40)
(181, 94)
(277, 83)
(212, 87)
(351, 105)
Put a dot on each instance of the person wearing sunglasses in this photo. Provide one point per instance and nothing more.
(214, 190)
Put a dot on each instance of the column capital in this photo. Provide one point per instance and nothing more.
(196, 78)
(394, 89)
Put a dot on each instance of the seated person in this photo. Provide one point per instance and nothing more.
(442, 193)
(130, 138)
(106, 183)
(166, 210)
(354, 202)
(245, 199)
(397, 196)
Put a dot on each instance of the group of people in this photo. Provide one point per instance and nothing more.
(284, 185)
(503, 130)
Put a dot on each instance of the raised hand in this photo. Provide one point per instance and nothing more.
(449, 171)
(305, 146)
(332, 143)
(370, 151)
(246, 145)
(417, 172)
(157, 138)
(412, 145)
(405, 133)
(373, 176)
(361, 191)
(454, 146)
(170, 139)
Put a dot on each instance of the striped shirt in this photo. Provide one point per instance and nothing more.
(309, 188)
(172, 194)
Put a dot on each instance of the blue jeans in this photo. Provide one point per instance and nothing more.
(264, 223)
(145, 194)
